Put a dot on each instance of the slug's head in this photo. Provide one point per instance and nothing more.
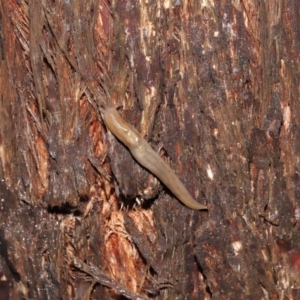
(121, 129)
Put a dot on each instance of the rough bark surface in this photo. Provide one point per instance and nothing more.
(213, 86)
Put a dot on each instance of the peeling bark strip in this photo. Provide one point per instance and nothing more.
(102, 278)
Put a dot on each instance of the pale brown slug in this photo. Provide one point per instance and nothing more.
(147, 157)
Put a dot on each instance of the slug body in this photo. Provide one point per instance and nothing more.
(147, 157)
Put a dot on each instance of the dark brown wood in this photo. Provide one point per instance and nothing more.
(213, 86)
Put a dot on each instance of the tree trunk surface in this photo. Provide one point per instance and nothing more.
(212, 86)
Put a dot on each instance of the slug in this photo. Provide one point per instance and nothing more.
(147, 157)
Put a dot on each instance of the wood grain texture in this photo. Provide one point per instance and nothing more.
(213, 85)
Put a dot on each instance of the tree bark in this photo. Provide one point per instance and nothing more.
(213, 86)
